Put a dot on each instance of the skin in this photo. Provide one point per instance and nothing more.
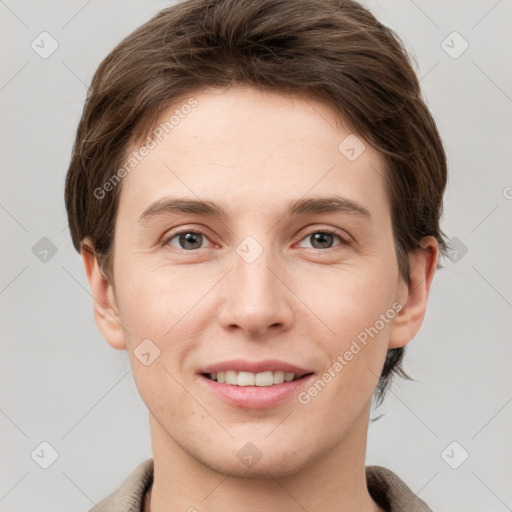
(252, 152)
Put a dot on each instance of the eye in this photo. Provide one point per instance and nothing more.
(186, 240)
(323, 238)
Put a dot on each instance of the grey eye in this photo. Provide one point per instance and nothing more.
(187, 240)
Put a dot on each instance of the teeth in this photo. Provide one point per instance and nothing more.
(262, 379)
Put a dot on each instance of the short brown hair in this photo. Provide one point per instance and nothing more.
(333, 50)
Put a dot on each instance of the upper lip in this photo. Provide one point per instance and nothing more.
(268, 365)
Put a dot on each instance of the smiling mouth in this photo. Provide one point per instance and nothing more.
(262, 379)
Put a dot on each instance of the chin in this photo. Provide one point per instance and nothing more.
(254, 456)
(277, 465)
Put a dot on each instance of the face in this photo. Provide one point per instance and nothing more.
(283, 268)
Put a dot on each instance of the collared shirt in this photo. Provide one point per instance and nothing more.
(385, 488)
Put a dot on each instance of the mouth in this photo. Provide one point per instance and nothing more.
(251, 385)
(261, 379)
(240, 372)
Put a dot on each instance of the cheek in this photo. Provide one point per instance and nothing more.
(354, 359)
(166, 306)
(148, 310)
(354, 309)
(352, 299)
(149, 295)
(156, 311)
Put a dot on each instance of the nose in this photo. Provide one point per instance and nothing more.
(256, 297)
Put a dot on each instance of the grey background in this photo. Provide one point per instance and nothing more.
(63, 384)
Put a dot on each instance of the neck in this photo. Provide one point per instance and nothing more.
(334, 481)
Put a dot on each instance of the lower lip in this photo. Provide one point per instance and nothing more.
(255, 397)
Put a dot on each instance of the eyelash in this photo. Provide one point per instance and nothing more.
(329, 231)
(344, 240)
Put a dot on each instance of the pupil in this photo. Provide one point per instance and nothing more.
(190, 240)
(193, 240)
(321, 238)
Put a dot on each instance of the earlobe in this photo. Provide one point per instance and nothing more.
(106, 313)
(408, 321)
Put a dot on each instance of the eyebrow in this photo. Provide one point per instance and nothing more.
(312, 205)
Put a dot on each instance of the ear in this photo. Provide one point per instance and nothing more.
(106, 312)
(414, 295)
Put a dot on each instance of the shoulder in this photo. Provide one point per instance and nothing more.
(391, 493)
(129, 497)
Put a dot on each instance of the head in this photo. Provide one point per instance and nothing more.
(252, 107)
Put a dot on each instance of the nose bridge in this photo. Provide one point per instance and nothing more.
(255, 299)
(251, 269)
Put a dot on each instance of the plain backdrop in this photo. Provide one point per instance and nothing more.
(62, 384)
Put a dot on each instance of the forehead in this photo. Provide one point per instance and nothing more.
(254, 149)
